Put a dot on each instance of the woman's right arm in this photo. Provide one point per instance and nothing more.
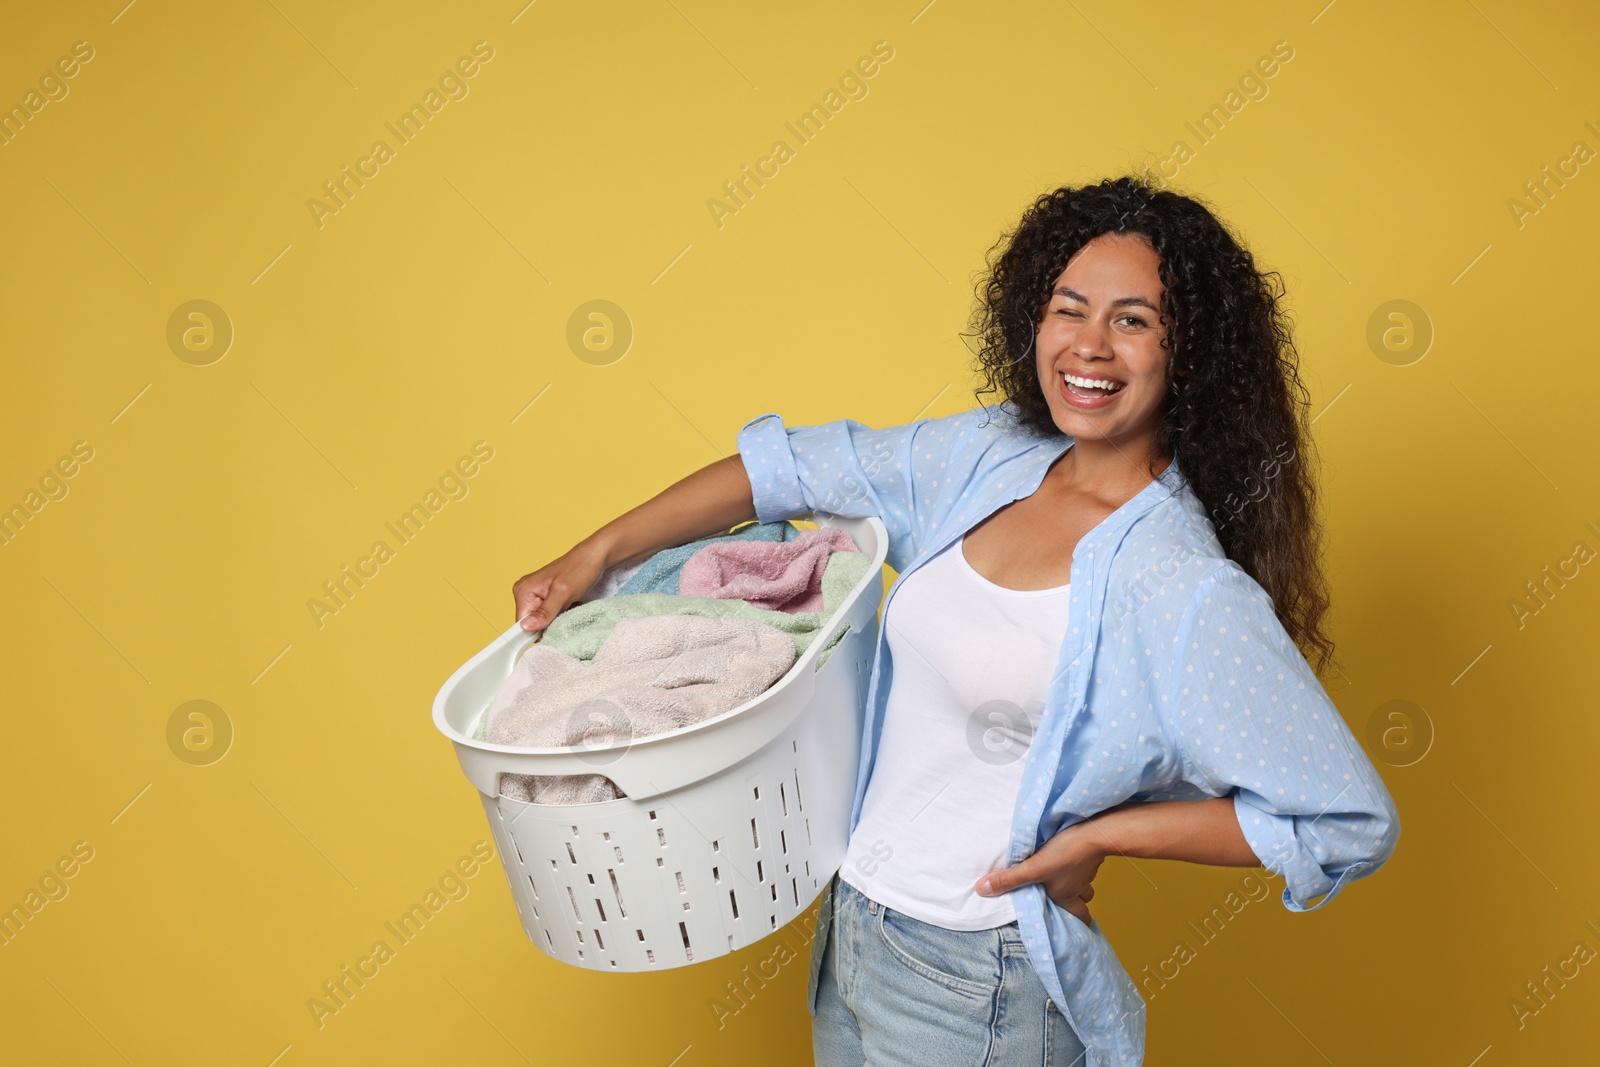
(709, 501)
(908, 475)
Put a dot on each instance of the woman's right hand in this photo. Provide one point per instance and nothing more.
(712, 500)
(546, 592)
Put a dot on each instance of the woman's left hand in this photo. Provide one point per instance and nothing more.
(1065, 866)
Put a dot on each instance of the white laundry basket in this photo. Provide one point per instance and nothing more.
(729, 828)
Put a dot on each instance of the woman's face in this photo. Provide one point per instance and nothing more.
(1101, 365)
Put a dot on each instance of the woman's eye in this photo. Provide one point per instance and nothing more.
(1073, 312)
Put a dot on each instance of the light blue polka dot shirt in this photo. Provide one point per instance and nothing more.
(1175, 680)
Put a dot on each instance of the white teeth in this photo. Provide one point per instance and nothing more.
(1092, 383)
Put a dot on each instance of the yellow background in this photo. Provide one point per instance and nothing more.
(431, 311)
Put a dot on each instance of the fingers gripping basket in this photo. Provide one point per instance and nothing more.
(728, 828)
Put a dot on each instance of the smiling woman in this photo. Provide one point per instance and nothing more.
(1020, 728)
(1159, 291)
(1110, 360)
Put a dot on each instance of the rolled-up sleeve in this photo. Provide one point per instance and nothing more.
(1253, 721)
(852, 470)
(769, 462)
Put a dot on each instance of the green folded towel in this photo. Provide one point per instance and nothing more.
(579, 631)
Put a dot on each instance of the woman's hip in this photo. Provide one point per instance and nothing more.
(915, 993)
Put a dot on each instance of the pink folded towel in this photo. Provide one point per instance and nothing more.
(653, 673)
(775, 575)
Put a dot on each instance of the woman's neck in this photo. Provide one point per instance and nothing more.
(1110, 470)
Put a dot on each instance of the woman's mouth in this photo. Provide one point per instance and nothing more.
(1089, 393)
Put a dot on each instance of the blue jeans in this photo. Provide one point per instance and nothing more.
(890, 990)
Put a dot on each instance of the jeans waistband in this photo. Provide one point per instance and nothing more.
(846, 894)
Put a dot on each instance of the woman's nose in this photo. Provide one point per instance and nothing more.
(1091, 341)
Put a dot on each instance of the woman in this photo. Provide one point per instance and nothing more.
(1108, 587)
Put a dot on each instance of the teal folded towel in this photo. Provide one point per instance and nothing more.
(660, 572)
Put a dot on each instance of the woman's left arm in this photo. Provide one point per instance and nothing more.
(1197, 831)
(1250, 725)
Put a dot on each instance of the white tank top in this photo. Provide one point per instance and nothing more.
(972, 666)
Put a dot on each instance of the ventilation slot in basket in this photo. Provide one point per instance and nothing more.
(575, 910)
(784, 800)
(601, 908)
(799, 801)
(796, 887)
(754, 837)
(618, 891)
(533, 887)
(735, 902)
(687, 950)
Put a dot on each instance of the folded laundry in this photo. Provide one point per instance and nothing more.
(778, 576)
(653, 674)
(659, 574)
(581, 631)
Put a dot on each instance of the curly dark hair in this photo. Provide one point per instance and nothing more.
(1234, 419)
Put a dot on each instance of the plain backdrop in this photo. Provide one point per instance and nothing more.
(1394, 157)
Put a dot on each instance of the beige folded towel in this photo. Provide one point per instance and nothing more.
(652, 674)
